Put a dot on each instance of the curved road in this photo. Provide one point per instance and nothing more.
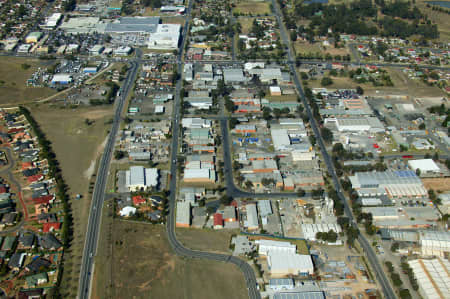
(94, 222)
(12, 180)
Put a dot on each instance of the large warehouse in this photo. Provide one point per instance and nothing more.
(433, 277)
(397, 184)
(165, 37)
(435, 243)
(139, 178)
(143, 25)
(282, 264)
(371, 124)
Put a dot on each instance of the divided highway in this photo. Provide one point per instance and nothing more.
(94, 222)
(368, 250)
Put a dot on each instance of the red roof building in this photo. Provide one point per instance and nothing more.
(218, 221)
(51, 226)
(138, 200)
(35, 178)
(26, 165)
(43, 199)
(3, 189)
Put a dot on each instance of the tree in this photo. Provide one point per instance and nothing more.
(338, 148)
(119, 155)
(226, 200)
(301, 192)
(326, 81)
(327, 135)
(331, 236)
(359, 90)
(395, 246)
(422, 126)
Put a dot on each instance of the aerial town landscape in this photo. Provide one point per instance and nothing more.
(280, 149)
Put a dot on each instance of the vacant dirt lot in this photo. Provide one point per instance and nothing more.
(437, 184)
(206, 239)
(143, 266)
(13, 78)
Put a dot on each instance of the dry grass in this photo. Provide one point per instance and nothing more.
(13, 78)
(206, 239)
(143, 266)
(76, 146)
(252, 7)
(246, 24)
(441, 184)
(440, 18)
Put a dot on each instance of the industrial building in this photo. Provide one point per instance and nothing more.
(300, 295)
(183, 218)
(282, 264)
(139, 178)
(278, 284)
(252, 217)
(62, 79)
(81, 25)
(166, 36)
(311, 229)
(396, 184)
(267, 246)
(435, 243)
(433, 277)
(425, 166)
(52, 21)
(33, 37)
(137, 25)
(371, 124)
(203, 175)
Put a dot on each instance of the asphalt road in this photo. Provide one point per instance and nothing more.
(94, 222)
(176, 245)
(381, 277)
(12, 180)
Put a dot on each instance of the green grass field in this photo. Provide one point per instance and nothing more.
(13, 78)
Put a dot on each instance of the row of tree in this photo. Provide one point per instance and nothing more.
(61, 187)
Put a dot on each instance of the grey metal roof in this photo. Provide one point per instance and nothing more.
(119, 28)
(140, 20)
(299, 295)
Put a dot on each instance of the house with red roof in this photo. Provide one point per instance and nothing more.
(138, 200)
(51, 226)
(45, 199)
(35, 178)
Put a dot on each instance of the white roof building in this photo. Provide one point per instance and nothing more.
(425, 165)
(195, 123)
(165, 37)
(268, 246)
(127, 211)
(183, 218)
(435, 243)
(62, 79)
(311, 229)
(52, 21)
(140, 178)
(433, 277)
(281, 264)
